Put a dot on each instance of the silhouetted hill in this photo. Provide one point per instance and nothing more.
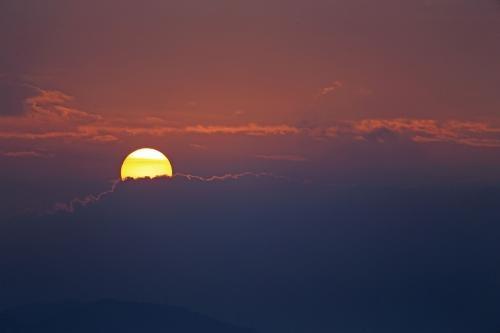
(109, 317)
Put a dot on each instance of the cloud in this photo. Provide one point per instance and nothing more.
(380, 135)
(70, 206)
(25, 154)
(109, 133)
(194, 242)
(248, 129)
(197, 146)
(229, 176)
(52, 104)
(42, 135)
(469, 133)
(292, 158)
(104, 138)
(330, 89)
(73, 204)
(49, 115)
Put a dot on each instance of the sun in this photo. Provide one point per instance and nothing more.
(146, 163)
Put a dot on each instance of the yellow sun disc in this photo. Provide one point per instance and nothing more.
(146, 163)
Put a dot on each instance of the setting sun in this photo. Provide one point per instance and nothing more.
(146, 163)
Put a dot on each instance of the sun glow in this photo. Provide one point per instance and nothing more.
(146, 163)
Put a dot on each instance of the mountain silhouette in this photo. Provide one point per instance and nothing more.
(107, 317)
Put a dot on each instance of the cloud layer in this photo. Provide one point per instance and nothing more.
(50, 116)
(260, 244)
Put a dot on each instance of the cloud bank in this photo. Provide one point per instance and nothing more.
(258, 244)
(75, 203)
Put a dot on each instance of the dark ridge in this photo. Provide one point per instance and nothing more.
(109, 316)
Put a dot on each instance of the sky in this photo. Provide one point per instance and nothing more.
(332, 160)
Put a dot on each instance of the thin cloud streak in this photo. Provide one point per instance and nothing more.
(229, 176)
(291, 158)
(329, 89)
(248, 129)
(25, 154)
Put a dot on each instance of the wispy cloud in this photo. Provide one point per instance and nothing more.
(104, 138)
(53, 105)
(48, 115)
(469, 133)
(42, 135)
(292, 158)
(25, 154)
(228, 176)
(197, 146)
(248, 129)
(108, 132)
(330, 89)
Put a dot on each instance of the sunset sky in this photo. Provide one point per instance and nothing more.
(314, 141)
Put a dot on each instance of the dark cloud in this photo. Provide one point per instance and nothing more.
(81, 202)
(271, 254)
(381, 135)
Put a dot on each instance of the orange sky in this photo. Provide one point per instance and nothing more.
(347, 90)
